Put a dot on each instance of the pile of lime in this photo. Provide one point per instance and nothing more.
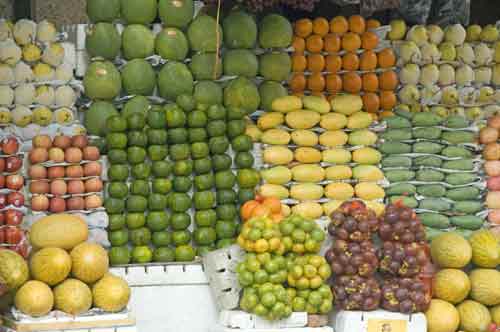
(261, 235)
(258, 269)
(301, 235)
(271, 301)
(312, 301)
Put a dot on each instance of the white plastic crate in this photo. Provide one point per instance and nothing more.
(292, 329)
(379, 321)
(242, 320)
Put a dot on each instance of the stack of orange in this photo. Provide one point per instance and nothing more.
(338, 55)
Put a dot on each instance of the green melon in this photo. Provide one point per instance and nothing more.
(176, 13)
(103, 40)
(34, 298)
(13, 270)
(138, 78)
(234, 24)
(139, 12)
(175, 79)
(202, 34)
(103, 10)
(102, 81)
(242, 93)
(50, 265)
(208, 93)
(138, 104)
(275, 31)
(171, 44)
(275, 66)
(138, 42)
(72, 297)
(240, 63)
(205, 66)
(269, 91)
(111, 293)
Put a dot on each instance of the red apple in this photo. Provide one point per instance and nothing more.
(57, 205)
(79, 141)
(2, 164)
(3, 201)
(15, 181)
(2, 181)
(10, 145)
(40, 203)
(13, 217)
(2, 239)
(2, 221)
(13, 164)
(13, 235)
(15, 198)
(62, 142)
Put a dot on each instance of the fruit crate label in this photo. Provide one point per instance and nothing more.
(387, 325)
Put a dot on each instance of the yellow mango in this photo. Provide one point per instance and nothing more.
(347, 104)
(316, 103)
(308, 173)
(276, 137)
(302, 119)
(369, 191)
(270, 120)
(333, 138)
(277, 155)
(337, 156)
(366, 156)
(338, 172)
(254, 132)
(306, 191)
(362, 137)
(286, 104)
(377, 207)
(359, 120)
(331, 206)
(308, 210)
(304, 137)
(333, 121)
(366, 173)
(307, 155)
(276, 175)
(339, 191)
(273, 190)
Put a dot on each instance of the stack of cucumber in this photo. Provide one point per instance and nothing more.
(431, 164)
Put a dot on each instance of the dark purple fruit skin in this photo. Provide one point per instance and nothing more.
(352, 258)
(405, 295)
(352, 221)
(400, 223)
(357, 293)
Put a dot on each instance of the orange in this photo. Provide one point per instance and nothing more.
(299, 62)
(372, 24)
(333, 83)
(357, 24)
(351, 42)
(315, 62)
(388, 80)
(314, 43)
(333, 63)
(386, 114)
(351, 82)
(369, 40)
(339, 25)
(316, 82)
(386, 58)
(298, 83)
(321, 26)
(371, 102)
(247, 208)
(387, 100)
(370, 82)
(368, 60)
(332, 43)
(350, 61)
(273, 203)
(277, 217)
(299, 44)
(303, 27)
(261, 211)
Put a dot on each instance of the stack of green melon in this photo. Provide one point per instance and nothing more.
(431, 164)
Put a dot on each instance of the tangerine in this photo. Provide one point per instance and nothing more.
(333, 83)
(357, 24)
(316, 82)
(351, 82)
(273, 203)
(333, 63)
(370, 82)
(369, 40)
(368, 60)
(297, 82)
(350, 61)
(303, 27)
(371, 102)
(298, 44)
(299, 63)
(388, 80)
(372, 24)
(315, 62)
(314, 43)
(247, 208)
(386, 58)
(387, 100)
(321, 26)
(332, 43)
(351, 42)
(339, 25)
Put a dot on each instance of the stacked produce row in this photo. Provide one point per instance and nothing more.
(317, 155)
(344, 55)
(36, 78)
(488, 137)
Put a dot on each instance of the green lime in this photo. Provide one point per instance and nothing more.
(117, 190)
(137, 138)
(199, 150)
(204, 181)
(181, 237)
(118, 172)
(179, 152)
(119, 255)
(226, 212)
(203, 250)
(201, 107)
(117, 156)
(184, 253)
(197, 119)
(178, 136)
(136, 155)
(225, 229)
(156, 119)
(157, 202)
(138, 104)
(236, 128)
(261, 276)
(114, 205)
(235, 113)
(221, 162)
(203, 165)
(216, 128)
(157, 220)
(116, 222)
(142, 254)
(248, 178)
(157, 152)
(260, 310)
(116, 140)
(180, 221)
(116, 124)
(176, 117)
(204, 236)
(225, 196)
(141, 171)
(136, 121)
(161, 239)
(183, 167)
(218, 145)
(136, 203)
(244, 160)
(182, 184)
(140, 236)
(222, 243)
(164, 255)
(118, 238)
(162, 168)
(162, 186)
(242, 143)
(180, 202)
(203, 200)
(157, 136)
(216, 112)
(225, 180)
(197, 135)
(135, 220)
(186, 102)
(139, 187)
(205, 218)
(245, 195)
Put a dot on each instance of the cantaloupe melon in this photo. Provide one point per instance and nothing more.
(111, 293)
(13, 270)
(62, 230)
(50, 265)
(72, 297)
(89, 262)
(34, 298)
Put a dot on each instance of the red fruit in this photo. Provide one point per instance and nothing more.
(13, 164)
(13, 235)
(10, 145)
(2, 220)
(3, 201)
(62, 142)
(2, 181)
(2, 237)
(493, 183)
(14, 181)
(13, 217)
(15, 198)
(492, 327)
(79, 141)
(57, 205)
(40, 203)
(2, 164)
